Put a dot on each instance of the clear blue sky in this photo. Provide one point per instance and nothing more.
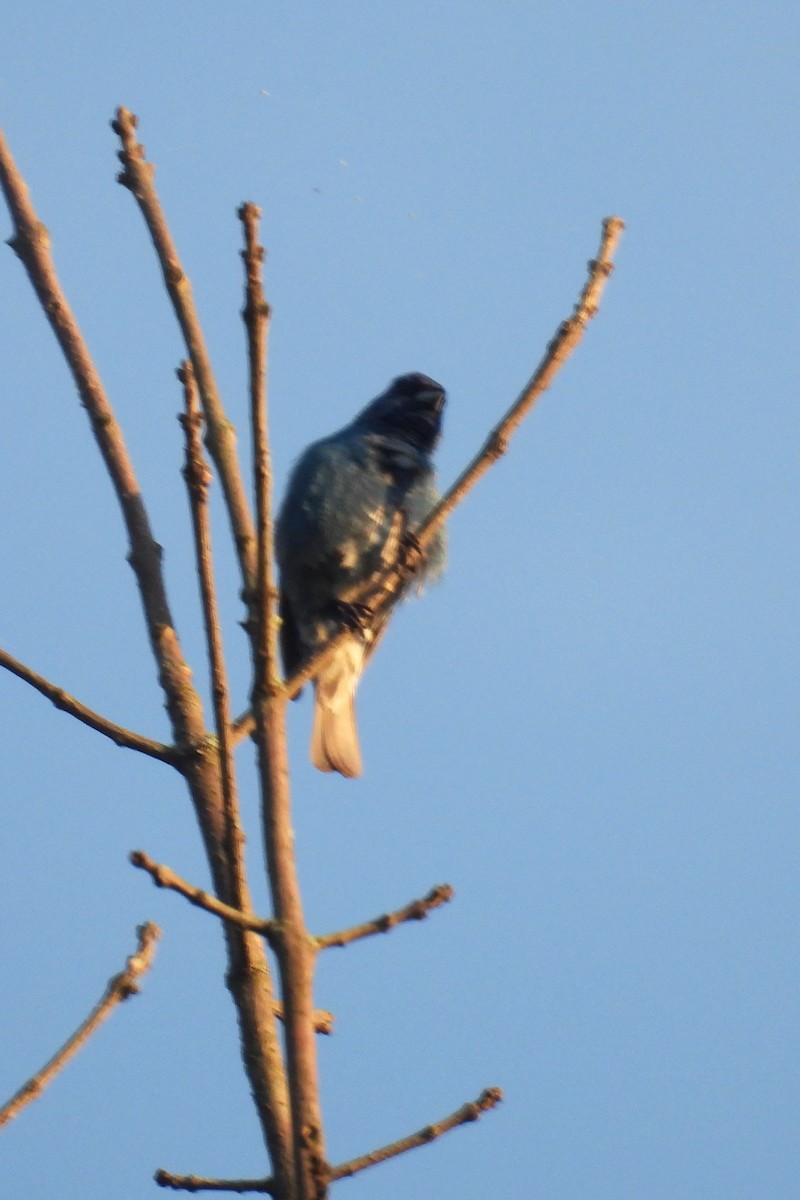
(589, 728)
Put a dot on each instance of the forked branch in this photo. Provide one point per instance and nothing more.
(123, 985)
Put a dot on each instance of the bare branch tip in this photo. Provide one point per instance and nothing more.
(193, 1183)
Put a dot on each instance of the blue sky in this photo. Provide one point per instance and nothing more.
(589, 728)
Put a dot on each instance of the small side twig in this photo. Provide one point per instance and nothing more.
(323, 1018)
(193, 1183)
(165, 877)
(468, 1112)
(119, 988)
(417, 910)
(566, 338)
(242, 726)
(67, 703)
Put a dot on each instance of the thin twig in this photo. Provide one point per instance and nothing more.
(242, 726)
(256, 315)
(193, 1183)
(67, 703)
(559, 349)
(165, 877)
(468, 1112)
(417, 910)
(295, 951)
(137, 175)
(119, 988)
(198, 478)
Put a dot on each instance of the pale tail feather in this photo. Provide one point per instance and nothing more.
(334, 740)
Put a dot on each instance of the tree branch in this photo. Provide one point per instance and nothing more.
(468, 1112)
(248, 974)
(242, 726)
(198, 478)
(62, 700)
(417, 910)
(472, 1111)
(566, 338)
(119, 988)
(165, 877)
(323, 1018)
(137, 176)
(193, 1183)
(256, 315)
(294, 947)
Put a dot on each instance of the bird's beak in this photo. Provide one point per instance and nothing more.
(434, 398)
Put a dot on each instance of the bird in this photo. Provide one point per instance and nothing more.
(352, 505)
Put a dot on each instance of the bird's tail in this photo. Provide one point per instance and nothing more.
(334, 740)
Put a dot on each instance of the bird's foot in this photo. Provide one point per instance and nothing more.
(411, 554)
(354, 616)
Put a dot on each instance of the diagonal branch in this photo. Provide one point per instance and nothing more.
(468, 1112)
(417, 910)
(566, 338)
(119, 988)
(31, 242)
(137, 176)
(67, 703)
(165, 877)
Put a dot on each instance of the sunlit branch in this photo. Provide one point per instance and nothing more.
(165, 877)
(248, 975)
(137, 175)
(323, 1018)
(67, 703)
(119, 988)
(294, 948)
(198, 478)
(566, 338)
(468, 1112)
(194, 1183)
(472, 1111)
(417, 910)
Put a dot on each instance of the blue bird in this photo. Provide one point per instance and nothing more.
(353, 503)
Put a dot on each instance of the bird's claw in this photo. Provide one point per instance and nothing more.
(411, 554)
(354, 616)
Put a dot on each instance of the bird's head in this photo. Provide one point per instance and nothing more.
(410, 409)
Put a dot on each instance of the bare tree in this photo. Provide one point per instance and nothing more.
(267, 988)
